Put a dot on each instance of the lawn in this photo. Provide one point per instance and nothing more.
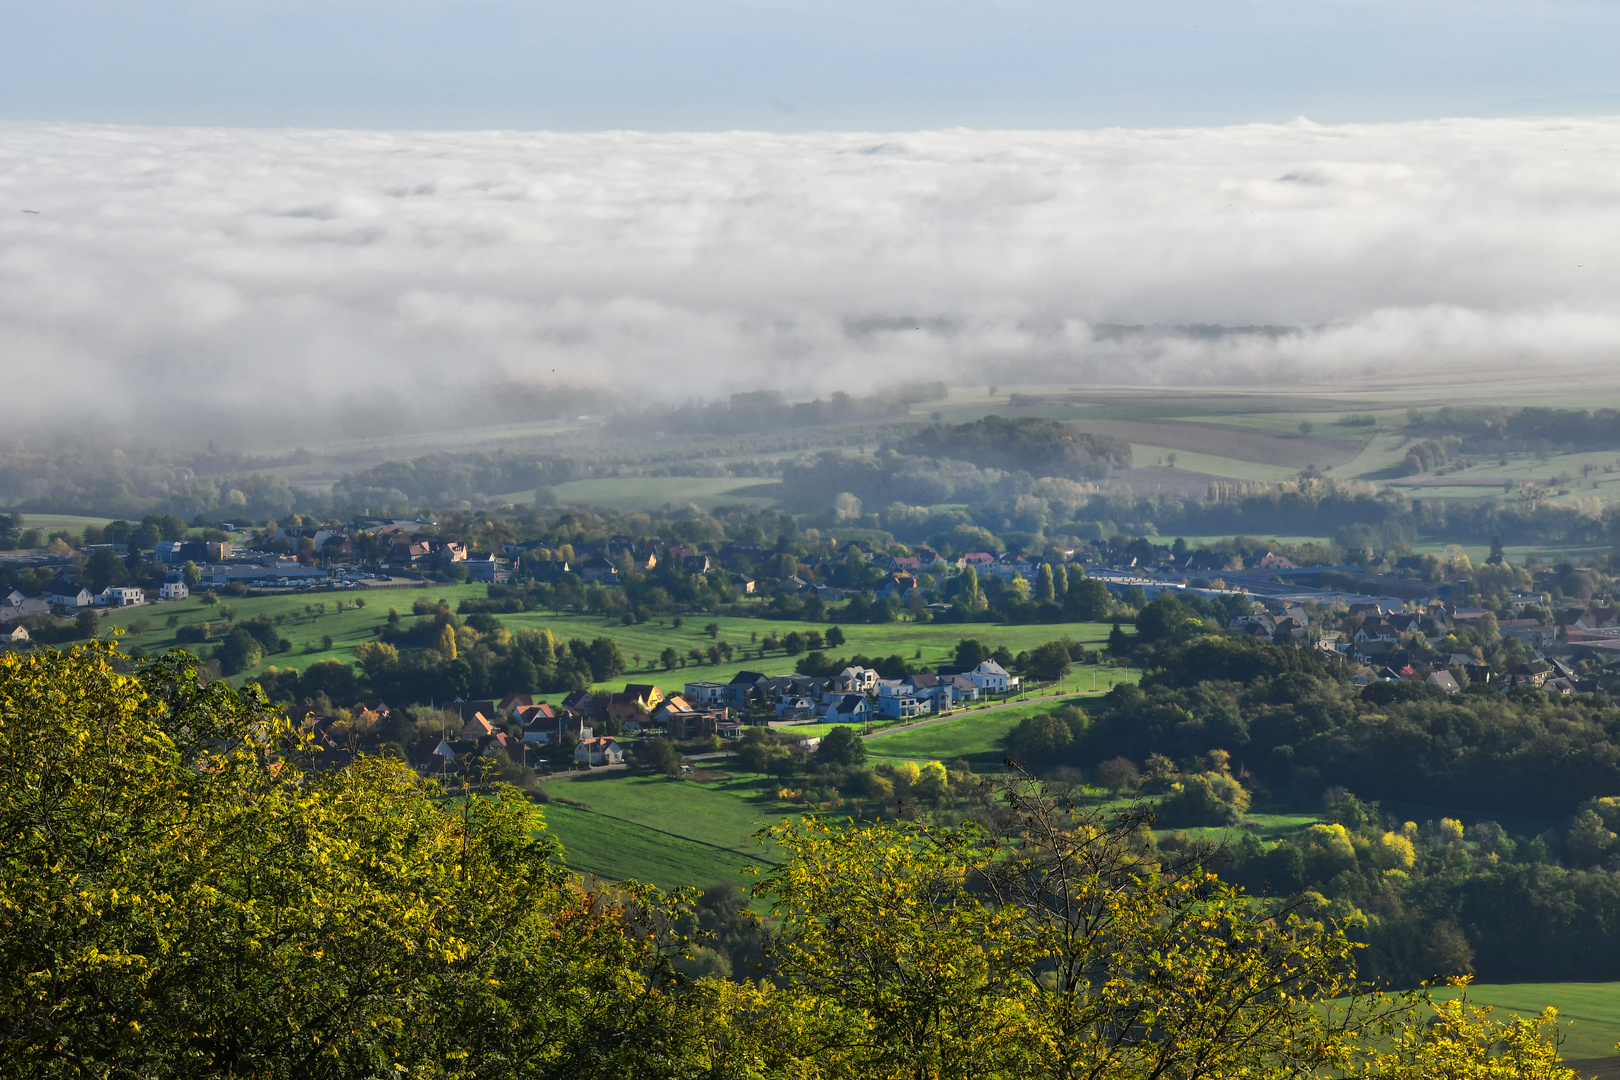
(721, 813)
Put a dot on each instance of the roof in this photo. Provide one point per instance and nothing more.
(990, 667)
(748, 678)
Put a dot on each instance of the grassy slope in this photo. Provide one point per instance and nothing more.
(611, 848)
(1588, 1012)
(671, 833)
(974, 735)
(1144, 455)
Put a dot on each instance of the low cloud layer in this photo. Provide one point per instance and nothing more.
(264, 276)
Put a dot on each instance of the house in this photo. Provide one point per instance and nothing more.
(796, 708)
(672, 706)
(1534, 674)
(980, 561)
(599, 571)
(582, 702)
(512, 702)
(599, 751)
(728, 729)
(645, 694)
(478, 728)
(743, 583)
(174, 590)
(854, 680)
(120, 597)
(705, 693)
(899, 706)
(482, 568)
(1444, 680)
(64, 593)
(745, 686)
(541, 729)
(848, 709)
(432, 755)
(466, 710)
(991, 678)
(13, 637)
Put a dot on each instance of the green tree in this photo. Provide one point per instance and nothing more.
(181, 899)
(1045, 589)
(841, 746)
(1049, 662)
(970, 653)
(1087, 600)
(835, 637)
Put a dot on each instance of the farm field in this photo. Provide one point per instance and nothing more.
(1147, 455)
(70, 522)
(652, 492)
(697, 831)
(618, 850)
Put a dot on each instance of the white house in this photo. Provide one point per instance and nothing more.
(66, 594)
(600, 751)
(174, 590)
(704, 693)
(795, 708)
(899, 706)
(991, 678)
(15, 638)
(121, 596)
(849, 709)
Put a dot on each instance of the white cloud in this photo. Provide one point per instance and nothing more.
(271, 274)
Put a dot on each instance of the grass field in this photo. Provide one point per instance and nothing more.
(974, 735)
(1588, 1013)
(71, 522)
(1146, 454)
(695, 831)
(611, 848)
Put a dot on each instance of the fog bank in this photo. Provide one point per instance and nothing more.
(342, 278)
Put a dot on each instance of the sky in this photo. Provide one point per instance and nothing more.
(797, 65)
(283, 214)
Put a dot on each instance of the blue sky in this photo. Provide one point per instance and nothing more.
(790, 65)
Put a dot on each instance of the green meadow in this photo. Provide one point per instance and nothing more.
(1588, 1013)
(927, 644)
(977, 734)
(697, 830)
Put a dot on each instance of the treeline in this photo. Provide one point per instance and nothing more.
(188, 900)
(768, 410)
(1536, 429)
(449, 479)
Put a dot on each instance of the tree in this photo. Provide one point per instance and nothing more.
(1056, 946)
(1044, 587)
(1049, 662)
(1038, 738)
(835, 637)
(970, 653)
(841, 746)
(1087, 600)
(660, 755)
(1305, 428)
(104, 569)
(669, 658)
(1119, 644)
(190, 902)
(793, 643)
